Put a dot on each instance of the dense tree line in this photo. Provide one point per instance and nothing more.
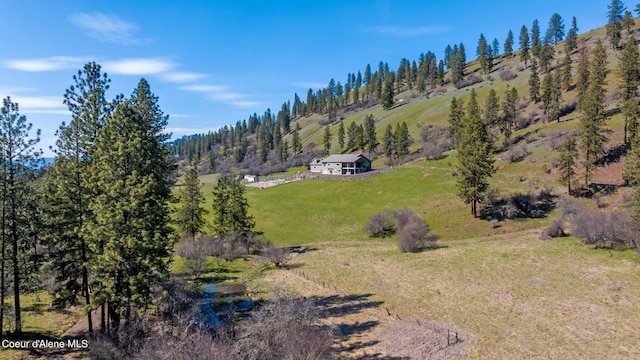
(104, 203)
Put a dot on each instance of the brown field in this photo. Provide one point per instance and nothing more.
(515, 298)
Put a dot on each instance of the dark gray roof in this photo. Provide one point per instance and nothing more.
(342, 158)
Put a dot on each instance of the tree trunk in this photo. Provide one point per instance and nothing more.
(102, 318)
(85, 283)
(2, 256)
(14, 252)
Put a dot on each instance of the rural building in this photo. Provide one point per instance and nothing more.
(251, 178)
(344, 164)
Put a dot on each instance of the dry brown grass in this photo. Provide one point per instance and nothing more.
(417, 339)
(515, 297)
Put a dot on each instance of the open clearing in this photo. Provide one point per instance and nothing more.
(515, 297)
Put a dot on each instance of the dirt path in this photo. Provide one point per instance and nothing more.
(79, 332)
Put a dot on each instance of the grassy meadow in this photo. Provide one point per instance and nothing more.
(512, 297)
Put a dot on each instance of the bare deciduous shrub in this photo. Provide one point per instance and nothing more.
(196, 345)
(195, 252)
(524, 122)
(381, 224)
(284, 329)
(568, 207)
(413, 234)
(472, 79)
(517, 153)
(519, 205)
(494, 223)
(602, 229)
(278, 256)
(554, 230)
(507, 75)
(438, 91)
(122, 343)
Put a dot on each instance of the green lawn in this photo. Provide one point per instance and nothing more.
(311, 211)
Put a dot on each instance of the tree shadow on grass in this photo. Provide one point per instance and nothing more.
(339, 306)
(520, 206)
(342, 305)
(613, 155)
(595, 189)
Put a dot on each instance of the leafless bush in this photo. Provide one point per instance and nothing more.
(104, 349)
(472, 79)
(284, 329)
(519, 68)
(517, 153)
(555, 141)
(567, 207)
(524, 122)
(602, 229)
(122, 343)
(554, 230)
(195, 252)
(197, 345)
(519, 205)
(438, 91)
(324, 122)
(494, 223)
(381, 224)
(507, 75)
(278, 256)
(413, 234)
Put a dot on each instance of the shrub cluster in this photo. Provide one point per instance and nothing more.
(472, 79)
(516, 154)
(554, 230)
(603, 229)
(507, 75)
(412, 232)
(381, 224)
(519, 205)
(278, 256)
(284, 328)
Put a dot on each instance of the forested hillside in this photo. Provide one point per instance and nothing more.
(535, 76)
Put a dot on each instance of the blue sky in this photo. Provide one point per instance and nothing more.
(213, 63)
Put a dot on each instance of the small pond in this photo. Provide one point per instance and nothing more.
(221, 301)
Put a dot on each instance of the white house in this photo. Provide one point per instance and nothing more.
(341, 164)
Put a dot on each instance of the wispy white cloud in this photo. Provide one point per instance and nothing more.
(139, 66)
(181, 77)
(248, 104)
(309, 84)
(222, 94)
(47, 64)
(39, 104)
(203, 88)
(405, 31)
(108, 28)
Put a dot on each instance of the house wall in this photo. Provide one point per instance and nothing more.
(332, 169)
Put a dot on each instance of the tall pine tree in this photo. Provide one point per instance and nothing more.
(475, 162)
(130, 232)
(592, 120)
